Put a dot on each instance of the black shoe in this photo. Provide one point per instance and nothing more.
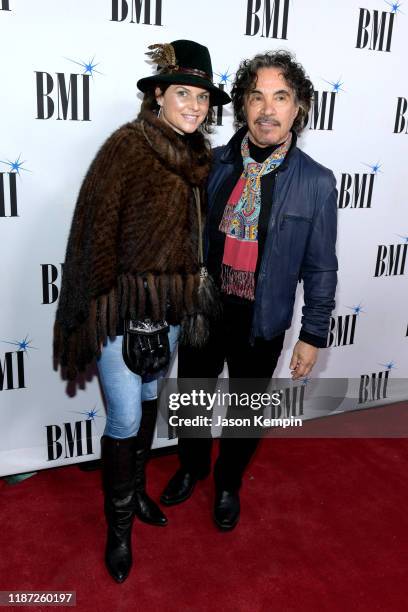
(119, 489)
(226, 510)
(179, 488)
(148, 511)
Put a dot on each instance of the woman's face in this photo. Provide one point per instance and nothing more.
(183, 107)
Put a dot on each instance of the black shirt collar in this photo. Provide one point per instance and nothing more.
(259, 154)
(232, 150)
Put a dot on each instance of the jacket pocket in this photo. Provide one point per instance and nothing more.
(295, 219)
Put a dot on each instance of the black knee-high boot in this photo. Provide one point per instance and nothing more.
(145, 508)
(118, 472)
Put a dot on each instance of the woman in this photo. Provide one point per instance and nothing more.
(133, 253)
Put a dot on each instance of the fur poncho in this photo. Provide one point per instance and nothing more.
(133, 245)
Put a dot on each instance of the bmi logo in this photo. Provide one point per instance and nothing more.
(356, 190)
(391, 258)
(291, 401)
(12, 374)
(374, 386)
(375, 28)
(4, 5)
(151, 14)
(343, 327)
(267, 18)
(323, 106)
(65, 95)
(49, 275)
(72, 439)
(224, 79)
(401, 122)
(8, 187)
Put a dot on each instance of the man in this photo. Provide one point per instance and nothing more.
(271, 222)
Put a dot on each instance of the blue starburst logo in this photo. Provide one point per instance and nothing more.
(390, 365)
(357, 309)
(15, 166)
(89, 67)
(225, 77)
(404, 238)
(305, 380)
(337, 85)
(395, 7)
(375, 168)
(90, 415)
(23, 345)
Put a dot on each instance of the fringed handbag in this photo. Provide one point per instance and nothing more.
(195, 328)
(145, 347)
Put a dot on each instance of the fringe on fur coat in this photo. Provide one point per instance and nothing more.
(133, 245)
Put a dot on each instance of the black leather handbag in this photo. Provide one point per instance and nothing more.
(145, 347)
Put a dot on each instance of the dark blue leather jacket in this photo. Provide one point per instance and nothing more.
(300, 243)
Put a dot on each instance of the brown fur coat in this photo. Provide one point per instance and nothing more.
(135, 224)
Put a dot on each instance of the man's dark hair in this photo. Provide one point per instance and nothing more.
(292, 71)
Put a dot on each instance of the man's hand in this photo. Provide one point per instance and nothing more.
(303, 359)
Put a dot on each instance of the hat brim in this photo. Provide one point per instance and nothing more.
(217, 96)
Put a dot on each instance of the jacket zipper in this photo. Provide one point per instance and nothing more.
(263, 263)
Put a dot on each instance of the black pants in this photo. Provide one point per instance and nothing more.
(229, 341)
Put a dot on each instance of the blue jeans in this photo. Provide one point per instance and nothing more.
(125, 391)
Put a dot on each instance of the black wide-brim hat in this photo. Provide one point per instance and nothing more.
(183, 62)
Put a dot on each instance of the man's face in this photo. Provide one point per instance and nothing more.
(270, 108)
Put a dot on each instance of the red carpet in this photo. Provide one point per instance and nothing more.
(324, 526)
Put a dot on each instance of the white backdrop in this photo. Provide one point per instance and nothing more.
(354, 50)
